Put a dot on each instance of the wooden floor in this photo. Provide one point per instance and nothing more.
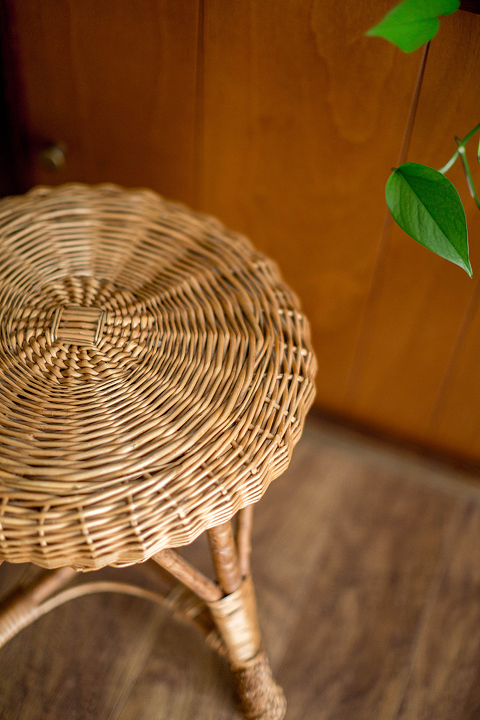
(367, 569)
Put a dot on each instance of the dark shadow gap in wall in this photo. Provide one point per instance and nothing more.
(470, 6)
(12, 150)
(10, 182)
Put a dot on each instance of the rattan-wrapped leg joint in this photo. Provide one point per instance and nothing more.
(260, 696)
(236, 618)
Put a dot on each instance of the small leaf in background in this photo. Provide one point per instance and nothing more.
(428, 207)
(412, 23)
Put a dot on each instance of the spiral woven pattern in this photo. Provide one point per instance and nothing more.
(155, 373)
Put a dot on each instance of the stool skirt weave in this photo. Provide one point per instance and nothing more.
(155, 373)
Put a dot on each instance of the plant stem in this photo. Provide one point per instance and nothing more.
(449, 164)
(461, 144)
(466, 169)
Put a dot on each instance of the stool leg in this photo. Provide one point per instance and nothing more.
(236, 617)
(244, 538)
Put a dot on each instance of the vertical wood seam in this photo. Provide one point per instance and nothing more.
(81, 92)
(365, 323)
(452, 362)
(14, 143)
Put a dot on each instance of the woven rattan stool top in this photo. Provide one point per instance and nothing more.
(155, 373)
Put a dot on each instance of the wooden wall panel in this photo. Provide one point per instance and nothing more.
(283, 119)
(418, 301)
(303, 117)
(115, 81)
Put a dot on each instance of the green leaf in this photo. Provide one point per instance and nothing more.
(427, 206)
(413, 22)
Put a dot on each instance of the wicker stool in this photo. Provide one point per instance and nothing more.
(155, 373)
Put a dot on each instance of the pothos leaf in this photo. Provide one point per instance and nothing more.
(413, 22)
(428, 207)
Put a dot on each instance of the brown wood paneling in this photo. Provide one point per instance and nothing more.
(116, 82)
(303, 117)
(283, 119)
(456, 422)
(418, 301)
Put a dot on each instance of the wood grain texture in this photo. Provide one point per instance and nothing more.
(414, 330)
(303, 117)
(92, 657)
(295, 524)
(76, 688)
(116, 82)
(449, 689)
(364, 625)
(284, 120)
(366, 565)
(456, 422)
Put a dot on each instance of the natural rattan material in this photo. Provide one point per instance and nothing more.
(260, 696)
(155, 373)
(236, 617)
